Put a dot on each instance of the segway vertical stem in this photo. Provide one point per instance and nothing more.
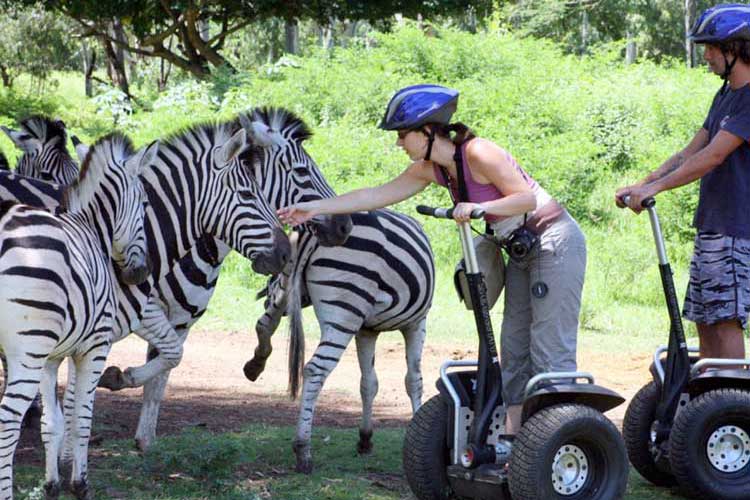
(677, 371)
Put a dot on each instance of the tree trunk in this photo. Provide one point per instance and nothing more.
(631, 50)
(7, 78)
(689, 20)
(273, 52)
(88, 54)
(116, 58)
(291, 36)
(584, 30)
(165, 68)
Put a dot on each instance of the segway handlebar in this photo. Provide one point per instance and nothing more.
(645, 203)
(446, 213)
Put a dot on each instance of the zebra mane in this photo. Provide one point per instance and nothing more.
(46, 129)
(4, 165)
(113, 147)
(282, 120)
(216, 132)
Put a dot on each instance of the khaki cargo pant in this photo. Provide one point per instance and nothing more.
(539, 334)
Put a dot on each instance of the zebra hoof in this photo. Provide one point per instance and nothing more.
(81, 490)
(112, 379)
(364, 445)
(303, 451)
(254, 368)
(52, 490)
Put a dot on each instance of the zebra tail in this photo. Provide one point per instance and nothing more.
(294, 312)
(296, 336)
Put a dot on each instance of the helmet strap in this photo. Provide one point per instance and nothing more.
(728, 66)
(430, 142)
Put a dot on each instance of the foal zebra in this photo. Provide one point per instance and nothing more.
(57, 298)
(381, 279)
(45, 156)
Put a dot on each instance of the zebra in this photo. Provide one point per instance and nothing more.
(286, 174)
(382, 278)
(45, 156)
(57, 298)
(198, 189)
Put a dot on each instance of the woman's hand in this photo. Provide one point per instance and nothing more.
(462, 211)
(294, 215)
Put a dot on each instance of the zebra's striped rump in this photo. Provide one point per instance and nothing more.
(57, 297)
(286, 172)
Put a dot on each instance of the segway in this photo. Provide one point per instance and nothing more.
(455, 446)
(690, 426)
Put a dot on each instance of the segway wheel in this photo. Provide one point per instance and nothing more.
(570, 452)
(636, 429)
(426, 451)
(710, 445)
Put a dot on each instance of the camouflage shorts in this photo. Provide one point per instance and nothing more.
(719, 286)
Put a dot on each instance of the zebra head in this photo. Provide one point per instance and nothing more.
(286, 173)
(110, 195)
(233, 207)
(45, 157)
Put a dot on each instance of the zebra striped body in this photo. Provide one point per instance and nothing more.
(200, 196)
(57, 298)
(381, 279)
(286, 174)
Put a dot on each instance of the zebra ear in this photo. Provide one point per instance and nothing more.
(22, 140)
(81, 151)
(142, 159)
(233, 147)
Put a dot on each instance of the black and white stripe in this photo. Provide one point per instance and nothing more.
(57, 297)
(45, 155)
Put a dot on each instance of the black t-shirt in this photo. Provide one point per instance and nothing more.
(725, 191)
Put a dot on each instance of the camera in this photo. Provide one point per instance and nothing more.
(520, 242)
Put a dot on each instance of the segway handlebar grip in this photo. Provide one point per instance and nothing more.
(446, 213)
(645, 203)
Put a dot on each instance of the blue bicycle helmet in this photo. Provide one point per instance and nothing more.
(418, 105)
(721, 24)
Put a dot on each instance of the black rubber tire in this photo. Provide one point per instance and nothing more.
(546, 432)
(691, 431)
(636, 430)
(426, 451)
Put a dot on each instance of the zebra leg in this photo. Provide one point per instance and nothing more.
(22, 385)
(414, 336)
(333, 342)
(34, 413)
(66, 453)
(52, 429)
(153, 393)
(159, 333)
(368, 386)
(264, 329)
(88, 370)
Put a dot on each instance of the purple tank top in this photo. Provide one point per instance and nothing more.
(476, 191)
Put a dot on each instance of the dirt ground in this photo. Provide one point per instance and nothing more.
(209, 389)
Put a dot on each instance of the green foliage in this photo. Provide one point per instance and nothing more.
(34, 42)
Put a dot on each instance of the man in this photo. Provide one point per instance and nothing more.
(718, 294)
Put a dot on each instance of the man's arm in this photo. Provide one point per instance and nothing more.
(699, 141)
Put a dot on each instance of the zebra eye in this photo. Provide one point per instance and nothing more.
(300, 169)
(246, 195)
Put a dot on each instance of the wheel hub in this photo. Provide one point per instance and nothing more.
(570, 468)
(728, 448)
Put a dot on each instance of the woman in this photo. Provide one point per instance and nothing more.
(543, 288)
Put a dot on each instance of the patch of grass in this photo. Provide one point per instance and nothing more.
(258, 463)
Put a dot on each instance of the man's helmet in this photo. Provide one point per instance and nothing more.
(721, 24)
(418, 105)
